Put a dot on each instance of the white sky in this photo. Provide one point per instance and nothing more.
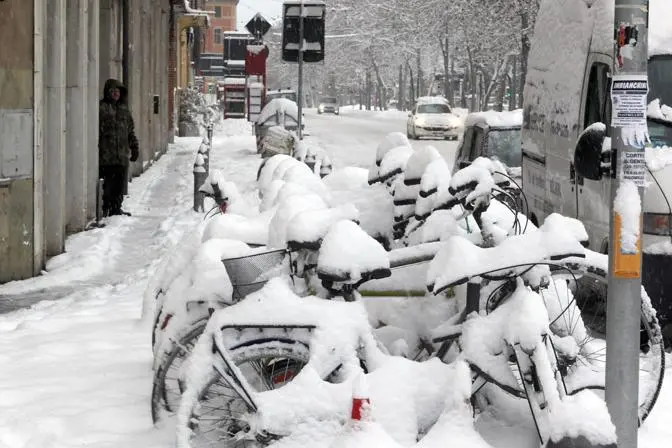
(248, 8)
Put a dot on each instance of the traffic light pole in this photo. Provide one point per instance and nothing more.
(628, 134)
(300, 87)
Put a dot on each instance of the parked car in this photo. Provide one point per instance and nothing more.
(433, 117)
(328, 105)
(492, 134)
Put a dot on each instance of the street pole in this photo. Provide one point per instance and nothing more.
(300, 89)
(628, 93)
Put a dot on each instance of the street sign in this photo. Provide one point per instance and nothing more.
(303, 21)
(258, 26)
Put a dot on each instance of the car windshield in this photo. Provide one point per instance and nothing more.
(660, 79)
(433, 109)
(506, 146)
(328, 100)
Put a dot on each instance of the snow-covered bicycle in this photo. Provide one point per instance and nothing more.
(517, 328)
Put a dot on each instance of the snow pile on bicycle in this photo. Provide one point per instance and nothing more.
(261, 332)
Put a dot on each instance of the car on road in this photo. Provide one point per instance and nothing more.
(432, 117)
(328, 105)
(495, 135)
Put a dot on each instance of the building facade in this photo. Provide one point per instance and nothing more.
(223, 18)
(54, 59)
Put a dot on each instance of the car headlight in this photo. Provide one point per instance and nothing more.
(419, 121)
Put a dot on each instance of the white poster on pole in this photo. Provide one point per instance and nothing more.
(628, 100)
(633, 167)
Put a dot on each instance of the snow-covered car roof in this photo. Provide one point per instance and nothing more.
(281, 106)
(432, 100)
(494, 119)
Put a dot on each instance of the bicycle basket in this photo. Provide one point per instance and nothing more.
(250, 273)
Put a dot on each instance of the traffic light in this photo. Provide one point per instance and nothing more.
(314, 13)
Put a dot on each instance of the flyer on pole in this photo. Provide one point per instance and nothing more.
(628, 100)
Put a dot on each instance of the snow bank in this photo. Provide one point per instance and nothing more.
(348, 252)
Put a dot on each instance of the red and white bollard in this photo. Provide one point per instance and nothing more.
(361, 403)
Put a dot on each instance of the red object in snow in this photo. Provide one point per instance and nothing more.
(255, 61)
(357, 405)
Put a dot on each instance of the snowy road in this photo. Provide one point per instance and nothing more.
(351, 138)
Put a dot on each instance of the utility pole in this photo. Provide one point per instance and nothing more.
(300, 89)
(628, 134)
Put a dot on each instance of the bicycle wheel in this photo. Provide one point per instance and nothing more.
(219, 417)
(577, 308)
(166, 390)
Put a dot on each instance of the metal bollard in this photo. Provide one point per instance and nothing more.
(210, 129)
(204, 150)
(99, 200)
(199, 179)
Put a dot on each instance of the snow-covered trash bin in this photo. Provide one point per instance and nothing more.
(277, 140)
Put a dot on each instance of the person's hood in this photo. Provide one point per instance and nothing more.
(111, 84)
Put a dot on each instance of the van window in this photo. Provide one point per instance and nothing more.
(597, 107)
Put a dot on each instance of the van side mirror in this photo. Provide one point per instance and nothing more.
(410, 114)
(588, 151)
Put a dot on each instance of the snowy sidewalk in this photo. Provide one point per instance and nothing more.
(159, 200)
(76, 367)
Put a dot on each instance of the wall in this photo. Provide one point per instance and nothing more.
(16, 139)
(54, 57)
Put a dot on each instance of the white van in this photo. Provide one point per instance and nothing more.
(566, 90)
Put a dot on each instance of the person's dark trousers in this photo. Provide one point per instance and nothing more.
(113, 188)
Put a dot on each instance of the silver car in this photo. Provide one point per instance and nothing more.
(328, 105)
(433, 120)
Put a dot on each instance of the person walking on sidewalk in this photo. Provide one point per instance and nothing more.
(117, 144)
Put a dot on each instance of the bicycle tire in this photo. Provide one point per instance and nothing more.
(651, 342)
(249, 350)
(160, 389)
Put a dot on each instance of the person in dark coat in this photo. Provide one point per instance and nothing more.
(117, 144)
